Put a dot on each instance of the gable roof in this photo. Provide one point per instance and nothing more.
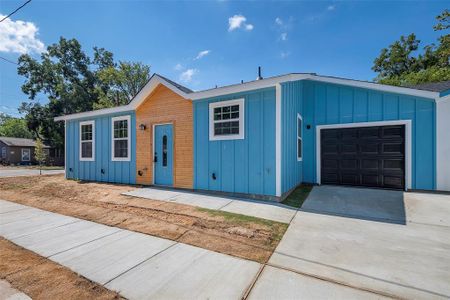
(19, 142)
(188, 94)
(137, 100)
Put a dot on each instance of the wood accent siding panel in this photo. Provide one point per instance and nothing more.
(165, 106)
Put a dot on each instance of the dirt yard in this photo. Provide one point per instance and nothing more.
(233, 234)
(40, 278)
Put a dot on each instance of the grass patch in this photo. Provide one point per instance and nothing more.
(237, 218)
(298, 196)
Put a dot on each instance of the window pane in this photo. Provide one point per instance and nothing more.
(235, 115)
(299, 128)
(86, 132)
(226, 128)
(217, 117)
(235, 108)
(217, 110)
(121, 129)
(86, 149)
(299, 148)
(164, 162)
(120, 148)
(226, 109)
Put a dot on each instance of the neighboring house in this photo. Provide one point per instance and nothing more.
(265, 137)
(21, 151)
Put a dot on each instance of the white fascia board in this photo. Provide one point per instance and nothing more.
(377, 87)
(249, 86)
(94, 113)
(150, 86)
(273, 81)
(137, 100)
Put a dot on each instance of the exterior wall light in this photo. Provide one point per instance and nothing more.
(142, 127)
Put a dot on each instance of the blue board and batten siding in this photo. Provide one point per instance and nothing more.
(291, 105)
(325, 103)
(242, 165)
(113, 171)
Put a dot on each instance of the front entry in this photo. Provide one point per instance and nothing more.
(163, 154)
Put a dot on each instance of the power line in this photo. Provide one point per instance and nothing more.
(10, 61)
(15, 11)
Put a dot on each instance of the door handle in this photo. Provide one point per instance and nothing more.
(155, 158)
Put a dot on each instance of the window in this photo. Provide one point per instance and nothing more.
(26, 155)
(3, 152)
(164, 162)
(87, 141)
(121, 138)
(226, 120)
(299, 137)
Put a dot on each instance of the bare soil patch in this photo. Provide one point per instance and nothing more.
(40, 278)
(233, 234)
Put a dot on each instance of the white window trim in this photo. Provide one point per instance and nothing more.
(239, 136)
(93, 141)
(29, 154)
(3, 152)
(121, 118)
(299, 117)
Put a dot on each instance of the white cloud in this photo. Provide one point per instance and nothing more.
(283, 36)
(239, 21)
(202, 53)
(331, 7)
(178, 67)
(19, 37)
(187, 75)
(284, 54)
(278, 21)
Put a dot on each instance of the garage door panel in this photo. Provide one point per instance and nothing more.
(366, 156)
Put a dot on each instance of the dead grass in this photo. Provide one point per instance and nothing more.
(40, 278)
(233, 234)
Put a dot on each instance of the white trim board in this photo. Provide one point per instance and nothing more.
(121, 118)
(278, 145)
(443, 144)
(91, 122)
(408, 144)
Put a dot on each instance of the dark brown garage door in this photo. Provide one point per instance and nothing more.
(364, 156)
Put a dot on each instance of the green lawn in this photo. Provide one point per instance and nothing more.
(298, 196)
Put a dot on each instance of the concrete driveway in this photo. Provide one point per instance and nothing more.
(14, 172)
(390, 242)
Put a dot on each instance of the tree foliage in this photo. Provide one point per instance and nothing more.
(14, 127)
(39, 153)
(74, 82)
(401, 64)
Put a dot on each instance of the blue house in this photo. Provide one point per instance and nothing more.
(265, 137)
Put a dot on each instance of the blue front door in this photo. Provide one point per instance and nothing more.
(163, 156)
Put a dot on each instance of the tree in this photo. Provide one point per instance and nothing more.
(124, 82)
(399, 64)
(14, 127)
(39, 154)
(73, 82)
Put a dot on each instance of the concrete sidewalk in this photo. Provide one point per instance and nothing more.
(140, 266)
(261, 209)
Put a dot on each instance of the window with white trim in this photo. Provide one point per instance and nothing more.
(26, 155)
(3, 152)
(299, 137)
(226, 120)
(87, 141)
(121, 138)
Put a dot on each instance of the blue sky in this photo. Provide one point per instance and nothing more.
(202, 44)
